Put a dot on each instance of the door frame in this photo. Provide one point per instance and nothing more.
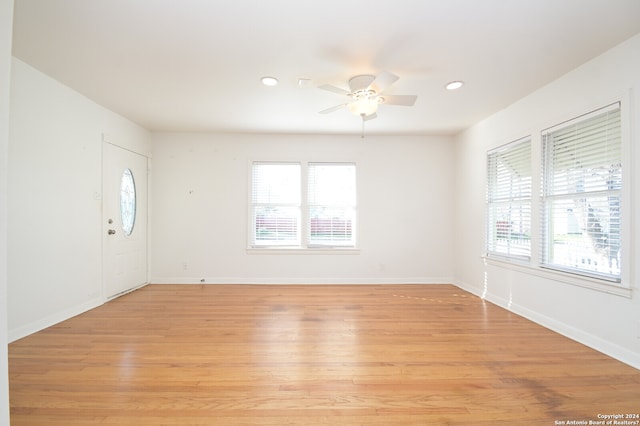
(106, 141)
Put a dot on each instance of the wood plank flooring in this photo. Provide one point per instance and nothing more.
(310, 355)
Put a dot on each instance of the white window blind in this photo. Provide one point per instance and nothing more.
(509, 200)
(276, 204)
(581, 190)
(331, 199)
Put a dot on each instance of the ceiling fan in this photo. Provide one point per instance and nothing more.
(366, 92)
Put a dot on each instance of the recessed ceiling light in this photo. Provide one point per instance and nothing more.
(454, 85)
(269, 81)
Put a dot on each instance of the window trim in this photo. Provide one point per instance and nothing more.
(305, 247)
(303, 250)
(560, 276)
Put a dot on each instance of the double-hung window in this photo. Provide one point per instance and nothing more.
(276, 204)
(509, 200)
(331, 202)
(581, 194)
(303, 205)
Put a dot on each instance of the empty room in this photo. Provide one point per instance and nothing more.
(319, 213)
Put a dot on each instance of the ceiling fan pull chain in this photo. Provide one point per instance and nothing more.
(362, 135)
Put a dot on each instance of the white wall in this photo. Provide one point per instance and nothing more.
(607, 322)
(6, 23)
(55, 210)
(200, 209)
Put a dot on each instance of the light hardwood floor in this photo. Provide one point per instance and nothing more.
(307, 355)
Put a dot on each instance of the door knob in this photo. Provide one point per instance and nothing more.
(111, 231)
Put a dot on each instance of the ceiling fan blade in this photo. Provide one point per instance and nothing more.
(404, 100)
(382, 81)
(333, 89)
(333, 108)
(360, 82)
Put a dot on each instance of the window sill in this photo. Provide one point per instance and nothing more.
(310, 250)
(560, 276)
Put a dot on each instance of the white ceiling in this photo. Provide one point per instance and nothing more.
(195, 65)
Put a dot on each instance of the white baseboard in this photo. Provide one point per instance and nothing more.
(41, 324)
(305, 280)
(599, 344)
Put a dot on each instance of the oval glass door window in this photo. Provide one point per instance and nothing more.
(127, 202)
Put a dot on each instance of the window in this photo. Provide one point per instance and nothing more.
(127, 201)
(581, 192)
(287, 213)
(332, 204)
(276, 204)
(509, 200)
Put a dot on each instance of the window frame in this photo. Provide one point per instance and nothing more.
(304, 246)
(548, 199)
(309, 205)
(512, 199)
(295, 205)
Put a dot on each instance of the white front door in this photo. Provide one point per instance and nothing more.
(124, 216)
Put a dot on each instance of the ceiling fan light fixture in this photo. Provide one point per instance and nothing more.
(364, 106)
(269, 81)
(453, 85)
